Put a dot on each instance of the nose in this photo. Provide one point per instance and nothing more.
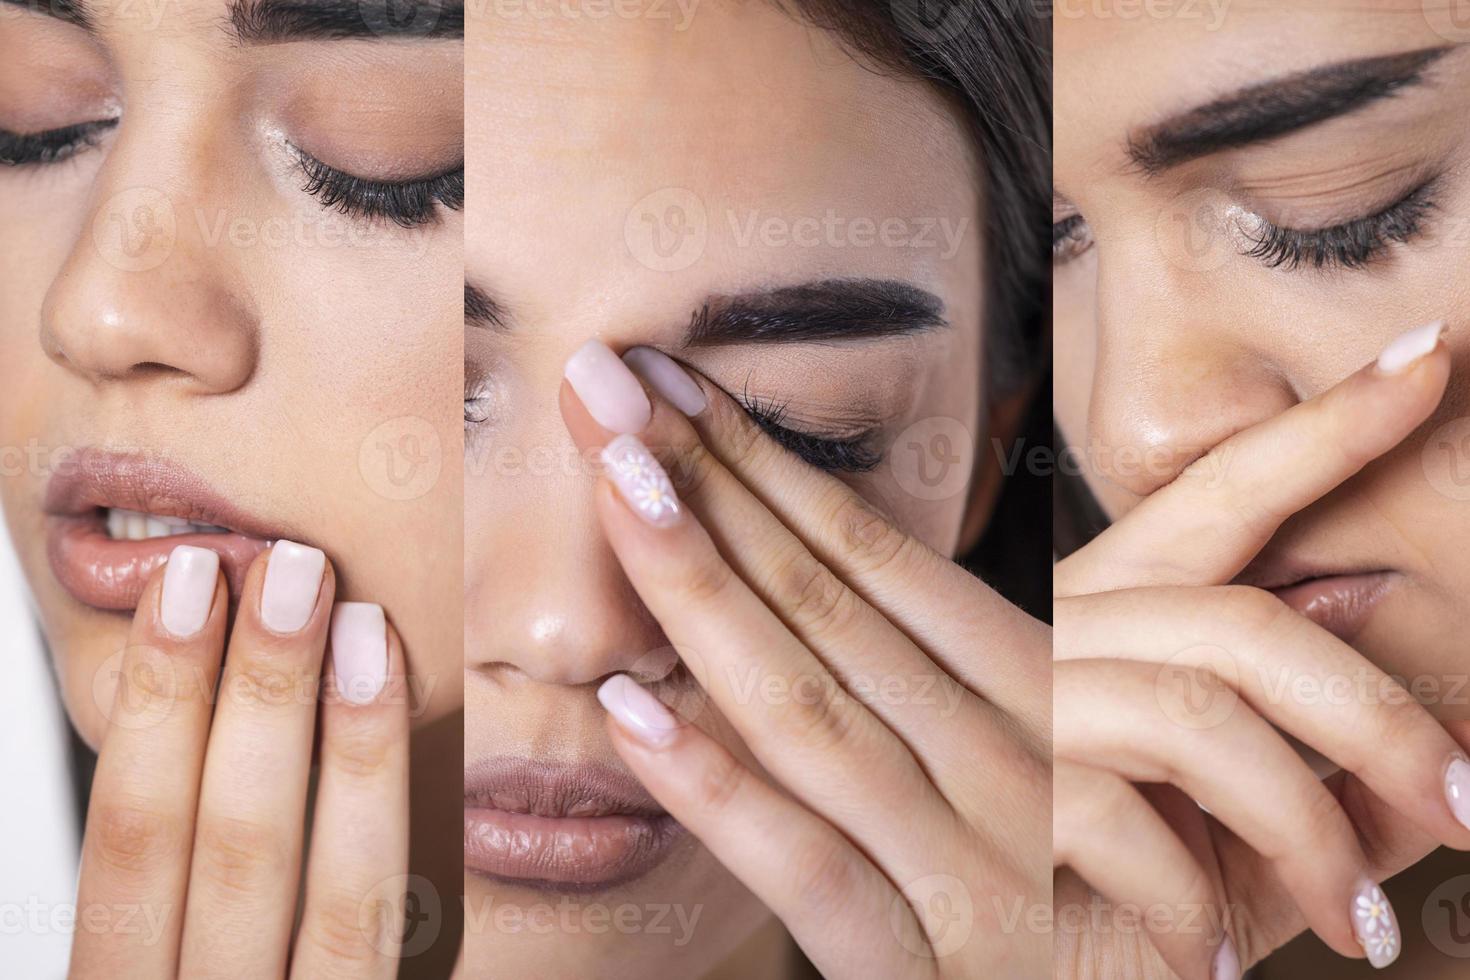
(1167, 385)
(144, 294)
(560, 611)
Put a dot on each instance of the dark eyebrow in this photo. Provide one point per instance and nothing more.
(1275, 108)
(71, 11)
(482, 311)
(831, 309)
(278, 21)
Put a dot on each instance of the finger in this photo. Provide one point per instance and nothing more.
(1297, 676)
(353, 916)
(140, 816)
(823, 745)
(245, 876)
(907, 582)
(836, 905)
(1105, 830)
(1204, 527)
(1137, 727)
(868, 656)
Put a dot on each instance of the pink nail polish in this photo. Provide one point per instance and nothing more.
(359, 650)
(1457, 789)
(666, 377)
(609, 391)
(188, 590)
(1227, 962)
(640, 481)
(1375, 925)
(637, 711)
(293, 580)
(1409, 346)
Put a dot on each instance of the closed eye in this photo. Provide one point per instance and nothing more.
(51, 146)
(407, 203)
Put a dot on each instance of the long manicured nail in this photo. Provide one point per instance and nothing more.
(293, 579)
(188, 590)
(359, 650)
(641, 482)
(1457, 790)
(610, 392)
(637, 711)
(1227, 962)
(1375, 925)
(1409, 347)
(667, 378)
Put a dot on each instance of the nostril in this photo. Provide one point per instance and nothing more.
(147, 369)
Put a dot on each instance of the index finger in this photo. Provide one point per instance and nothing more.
(1207, 525)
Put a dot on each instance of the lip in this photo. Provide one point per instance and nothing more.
(108, 574)
(562, 826)
(1341, 601)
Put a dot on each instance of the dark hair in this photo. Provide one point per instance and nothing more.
(992, 60)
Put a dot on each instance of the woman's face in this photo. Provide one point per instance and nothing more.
(1183, 146)
(191, 333)
(717, 162)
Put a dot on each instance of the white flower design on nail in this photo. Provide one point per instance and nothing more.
(1372, 910)
(1384, 944)
(640, 480)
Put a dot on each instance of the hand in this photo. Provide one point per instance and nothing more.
(894, 836)
(1146, 605)
(198, 803)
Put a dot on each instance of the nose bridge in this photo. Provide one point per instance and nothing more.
(570, 615)
(1169, 382)
(145, 289)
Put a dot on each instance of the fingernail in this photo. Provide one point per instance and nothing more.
(1227, 963)
(293, 579)
(1457, 790)
(610, 392)
(188, 590)
(667, 378)
(1375, 925)
(637, 711)
(641, 482)
(359, 650)
(1409, 347)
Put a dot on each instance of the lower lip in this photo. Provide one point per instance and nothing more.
(566, 853)
(109, 574)
(1340, 604)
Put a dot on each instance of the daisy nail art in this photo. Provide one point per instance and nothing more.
(1375, 926)
(641, 482)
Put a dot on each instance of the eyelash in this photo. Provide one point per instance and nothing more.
(852, 455)
(1070, 238)
(52, 146)
(406, 203)
(1350, 245)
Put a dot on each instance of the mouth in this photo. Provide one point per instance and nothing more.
(562, 827)
(112, 518)
(1339, 601)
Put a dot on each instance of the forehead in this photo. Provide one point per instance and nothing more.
(1116, 72)
(736, 135)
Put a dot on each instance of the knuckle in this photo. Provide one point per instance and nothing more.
(1249, 607)
(718, 785)
(689, 468)
(815, 600)
(151, 677)
(237, 855)
(360, 750)
(824, 876)
(869, 538)
(265, 679)
(704, 581)
(131, 838)
(816, 718)
(338, 929)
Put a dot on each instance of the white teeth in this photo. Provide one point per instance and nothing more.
(130, 525)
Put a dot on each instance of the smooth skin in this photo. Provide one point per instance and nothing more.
(1144, 617)
(199, 801)
(874, 826)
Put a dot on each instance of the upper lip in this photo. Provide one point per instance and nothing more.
(555, 789)
(93, 478)
(1278, 573)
